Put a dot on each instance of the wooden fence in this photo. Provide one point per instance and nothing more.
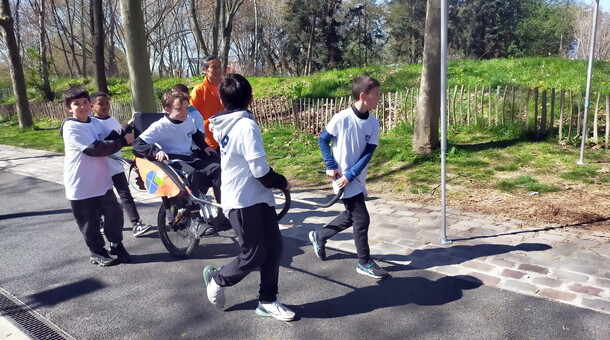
(543, 112)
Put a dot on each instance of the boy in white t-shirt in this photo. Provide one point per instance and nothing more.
(87, 178)
(354, 133)
(247, 200)
(170, 139)
(100, 102)
(211, 160)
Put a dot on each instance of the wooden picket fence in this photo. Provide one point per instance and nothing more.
(543, 112)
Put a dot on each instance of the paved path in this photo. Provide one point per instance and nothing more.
(548, 261)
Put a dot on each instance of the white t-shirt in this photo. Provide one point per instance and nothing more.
(240, 141)
(351, 136)
(84, 176)
(110, 124)
(172, 138)
(197, 118)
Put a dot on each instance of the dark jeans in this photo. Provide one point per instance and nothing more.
(87, 214)
(355, 215)
(122, 187)
(260, 241)
(201, 174)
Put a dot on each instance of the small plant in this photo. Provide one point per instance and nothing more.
(525, 182)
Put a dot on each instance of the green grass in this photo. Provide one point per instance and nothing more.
(509, 162)
(545, 73)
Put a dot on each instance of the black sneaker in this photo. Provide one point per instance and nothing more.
(371, 269)
(102, 258)
(221, 222)
(139, 228)
(318, 246)
(121, 253)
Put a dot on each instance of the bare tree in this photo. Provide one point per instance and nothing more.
(19, 86)
(97, 22)
(425, 137)
(140, 78)
(40, 9)
(228, 11)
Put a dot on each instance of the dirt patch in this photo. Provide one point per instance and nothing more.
(575, 205)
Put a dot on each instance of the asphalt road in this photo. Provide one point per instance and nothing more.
(44, 263)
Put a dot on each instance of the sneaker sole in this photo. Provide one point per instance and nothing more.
(141, 232)
(363, 272)
(313, 243)
(109, 264)
(261, 312)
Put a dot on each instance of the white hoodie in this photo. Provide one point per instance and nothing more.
(242, 156)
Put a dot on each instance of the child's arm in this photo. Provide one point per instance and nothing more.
(199, 140)
(103, 148)
(265, 174)
(332, 168)
(365, 158)
(150, 151)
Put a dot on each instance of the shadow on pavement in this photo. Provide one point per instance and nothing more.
(35, 213)
(432, 257)
(392, 292)
(57, 295)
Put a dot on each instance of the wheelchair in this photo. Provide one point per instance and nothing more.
(183, 219)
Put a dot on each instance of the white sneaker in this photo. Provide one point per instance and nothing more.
(216, 293)
(275, 310)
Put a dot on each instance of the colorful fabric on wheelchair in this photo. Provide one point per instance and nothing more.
(157, 181)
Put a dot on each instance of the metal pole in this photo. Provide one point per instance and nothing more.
(444, 12)
(588, 93)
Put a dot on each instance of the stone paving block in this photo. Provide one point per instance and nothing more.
(519, 286)
(569, 276)
(500, 262)
(486, 279)
(578, 288)
(547, 281)
(478, 265)
(533, 268)
(512, 273)
(448, 270)
(597, 304)
(557, 294)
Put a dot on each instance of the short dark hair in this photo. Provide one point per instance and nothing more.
(94, 95)
(363, 84)
(206, 60)
(73, 93)
(235, 91)
(170, 96)
(180, 88)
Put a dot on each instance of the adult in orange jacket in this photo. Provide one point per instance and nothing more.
(204, 96)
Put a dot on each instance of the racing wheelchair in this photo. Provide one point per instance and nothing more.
(183, 219)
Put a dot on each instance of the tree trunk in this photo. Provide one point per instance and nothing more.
(47, 93)
(17, 77)
(426, 138)
(201, 46)
(99, 71)
(140, 78)
(216, 27)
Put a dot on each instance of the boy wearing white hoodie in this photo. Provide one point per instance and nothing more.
(247, 200)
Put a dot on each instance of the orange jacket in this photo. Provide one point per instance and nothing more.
(206, 100)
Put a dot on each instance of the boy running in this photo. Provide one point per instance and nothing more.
(354, 133)
(248, 201)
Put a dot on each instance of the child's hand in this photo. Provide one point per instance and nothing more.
(161, 156)
(342, 182)
(129, 138)
(334, 173)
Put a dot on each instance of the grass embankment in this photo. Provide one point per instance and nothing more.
(500, 158)
(528, 72)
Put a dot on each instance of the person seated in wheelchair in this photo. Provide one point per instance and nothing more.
(170, 138)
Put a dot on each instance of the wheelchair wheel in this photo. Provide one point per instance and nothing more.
(177, 239)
